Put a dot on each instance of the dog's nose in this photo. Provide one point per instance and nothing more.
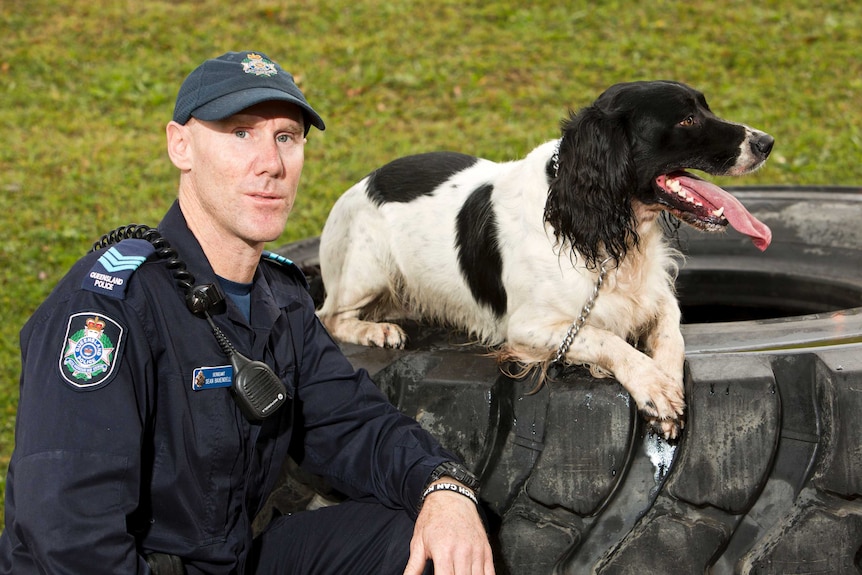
(762, 143)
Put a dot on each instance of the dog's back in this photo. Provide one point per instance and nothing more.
(419, 238)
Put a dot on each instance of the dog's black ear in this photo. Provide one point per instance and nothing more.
(589, 200)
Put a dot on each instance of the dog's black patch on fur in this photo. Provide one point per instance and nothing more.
(408, 178)
(478, 250)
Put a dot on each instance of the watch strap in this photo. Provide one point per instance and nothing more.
(457, 472)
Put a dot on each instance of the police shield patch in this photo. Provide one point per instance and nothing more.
(90, 350)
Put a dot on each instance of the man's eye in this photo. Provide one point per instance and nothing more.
(241, 134)
(286, 138)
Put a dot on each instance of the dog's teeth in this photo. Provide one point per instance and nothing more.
(674, 186)
(699, 204)
(719, 212)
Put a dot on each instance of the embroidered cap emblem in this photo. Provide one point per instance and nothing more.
(258, 65)
(90, 350)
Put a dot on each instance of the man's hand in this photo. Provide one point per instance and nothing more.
(450, 533)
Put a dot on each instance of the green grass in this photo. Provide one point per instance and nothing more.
(86, 88)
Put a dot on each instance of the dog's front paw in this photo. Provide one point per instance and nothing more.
(384, 335)
(668, 428)
(661, 401)
(361, 332)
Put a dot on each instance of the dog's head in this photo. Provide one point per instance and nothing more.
(634, 144)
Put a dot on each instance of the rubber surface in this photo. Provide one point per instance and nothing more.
(767, 476)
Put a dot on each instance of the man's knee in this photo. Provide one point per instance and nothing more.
(351, 537)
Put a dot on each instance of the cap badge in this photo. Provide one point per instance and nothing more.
(258, 65)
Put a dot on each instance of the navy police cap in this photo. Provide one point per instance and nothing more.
(224, 86)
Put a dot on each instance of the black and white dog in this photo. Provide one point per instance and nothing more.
(512, 252)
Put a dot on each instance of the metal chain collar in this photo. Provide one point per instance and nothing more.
(585, 313)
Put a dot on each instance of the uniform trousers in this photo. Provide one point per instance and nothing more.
(353, 537)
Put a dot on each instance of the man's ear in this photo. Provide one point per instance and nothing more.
(179, 149)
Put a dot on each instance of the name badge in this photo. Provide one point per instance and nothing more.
(212, 377)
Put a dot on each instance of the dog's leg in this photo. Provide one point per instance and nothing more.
(345, 326)
(343, 308)
(357, 269)
(352, 290)
(664, 342)
(659, 396)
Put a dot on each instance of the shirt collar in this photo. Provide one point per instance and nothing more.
(176, 231)
(264, 304)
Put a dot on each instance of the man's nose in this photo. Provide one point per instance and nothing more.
(269, 159)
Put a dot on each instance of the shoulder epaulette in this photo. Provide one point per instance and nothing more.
(111, 272)
(285, 264)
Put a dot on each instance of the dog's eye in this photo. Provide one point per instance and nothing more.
(690, 121)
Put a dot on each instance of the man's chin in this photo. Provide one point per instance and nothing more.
(266, 226)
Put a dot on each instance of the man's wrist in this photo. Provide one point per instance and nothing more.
(454, 477)
(456, 471)
(450, 486)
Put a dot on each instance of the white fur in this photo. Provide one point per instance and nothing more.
(405, 253)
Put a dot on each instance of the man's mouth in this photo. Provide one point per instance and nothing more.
(266, 197)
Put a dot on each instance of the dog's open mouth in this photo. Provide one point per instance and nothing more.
(706, 206)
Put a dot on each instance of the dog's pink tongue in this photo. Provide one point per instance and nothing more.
(739, 217)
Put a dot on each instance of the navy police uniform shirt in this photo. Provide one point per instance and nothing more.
(128, 440)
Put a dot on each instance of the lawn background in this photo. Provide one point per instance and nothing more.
(86, 88)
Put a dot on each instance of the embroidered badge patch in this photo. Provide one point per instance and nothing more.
(258, 65)
(110, 274)
(90, 350)
(210, 377)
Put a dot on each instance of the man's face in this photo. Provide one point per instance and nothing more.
(240, 174)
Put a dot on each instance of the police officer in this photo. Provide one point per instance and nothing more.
(155, 414)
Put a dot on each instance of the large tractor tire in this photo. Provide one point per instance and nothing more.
(767, 476)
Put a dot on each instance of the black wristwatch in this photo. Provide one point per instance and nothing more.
(457, 472)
